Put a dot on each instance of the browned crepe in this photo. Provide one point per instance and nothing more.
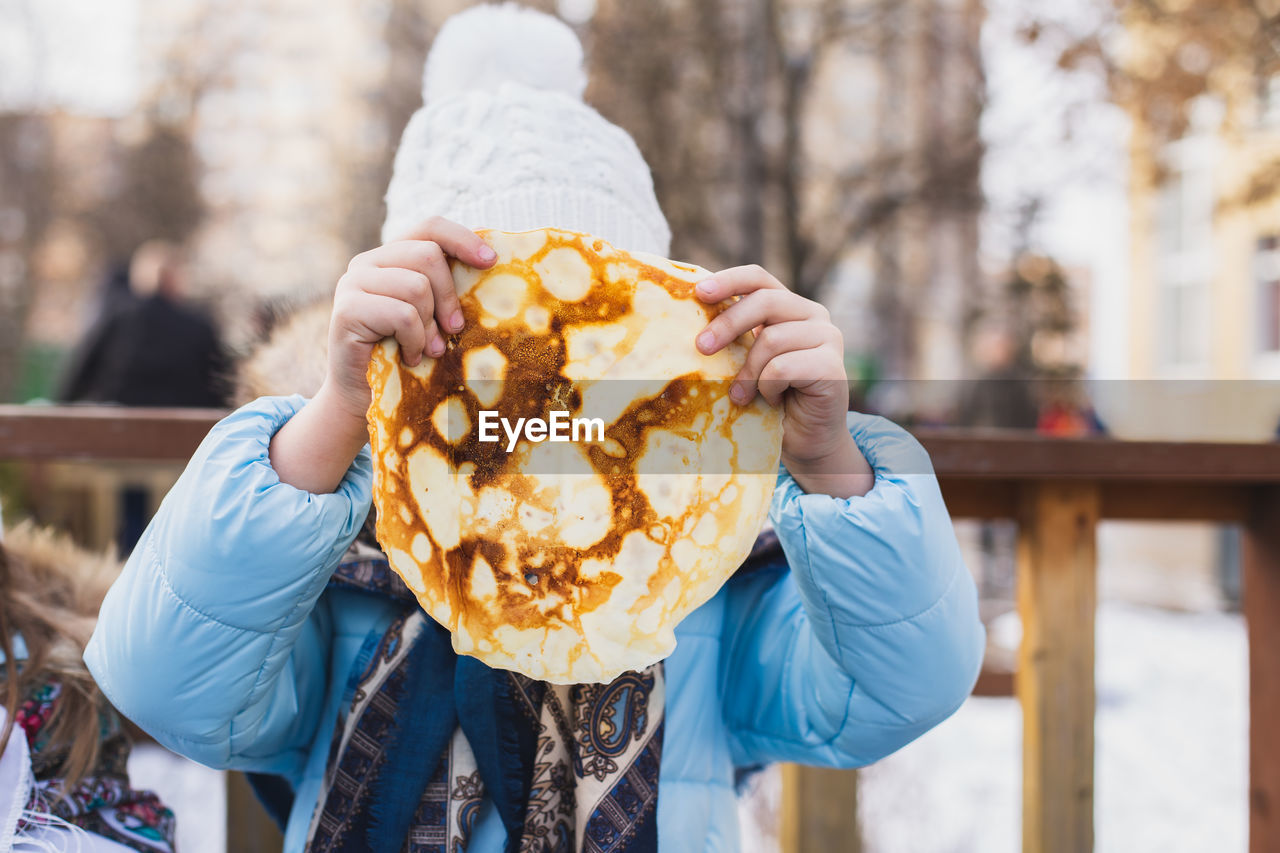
(570, 561)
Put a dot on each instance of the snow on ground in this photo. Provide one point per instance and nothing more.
(1171, 753)
(197, 795)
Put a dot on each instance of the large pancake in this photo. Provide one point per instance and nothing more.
(570, 561)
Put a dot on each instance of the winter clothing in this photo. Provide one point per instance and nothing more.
(503, 139)
(561, 762)
(101, 803)
(47, 580)
(101, 812)
(227, 640)
(223, 639)
(22, 826)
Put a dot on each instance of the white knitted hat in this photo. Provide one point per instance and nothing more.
(503, 139)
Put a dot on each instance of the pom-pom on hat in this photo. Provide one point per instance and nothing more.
(503, 139)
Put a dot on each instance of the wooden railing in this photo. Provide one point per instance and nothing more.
(1056, 489)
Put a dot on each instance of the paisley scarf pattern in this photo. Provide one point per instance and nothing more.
(597, 746)
(569, 767)
(102, 802)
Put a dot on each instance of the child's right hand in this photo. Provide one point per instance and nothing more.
(403, 289)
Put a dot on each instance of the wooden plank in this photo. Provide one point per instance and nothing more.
(968, 497)
(115, 432)
(1154, 501)
(990, 498)
(1261, 604)
(102, 432)
(1057, 596)
(995, 682)
(819, 810)
(1027, 456)
(249, 829)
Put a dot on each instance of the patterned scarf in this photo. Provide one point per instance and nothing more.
(426, 735)
(102, 802)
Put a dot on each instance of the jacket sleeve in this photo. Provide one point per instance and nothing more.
(211, 639)
(871, 637)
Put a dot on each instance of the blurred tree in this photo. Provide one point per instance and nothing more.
(1158, 57)
(813, 136)
(78, 193)
(27, 175)
(720, 97)
(746, 113)
(1040, 304)
(156, 194)
(407, 31)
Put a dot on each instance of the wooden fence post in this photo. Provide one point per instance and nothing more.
(1057, 594)
(819, 810)
(249, 829)
(1261, 603)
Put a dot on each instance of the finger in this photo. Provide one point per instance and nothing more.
(736, 281)
(772, 342)
(407, 285)
(411, 254)
(366, 318)
(435, 340)
(763, 308)
(422, 258)
(448, 309)
(798, 369)
(457, 240)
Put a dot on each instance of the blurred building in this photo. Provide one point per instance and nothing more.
(57, 171)
(1206, 284)
(82, 181)
(1204, 281)
(1204, 288)
(279, 99)
(897, 106)
(294, 110)
(281, 118)
(909, 289)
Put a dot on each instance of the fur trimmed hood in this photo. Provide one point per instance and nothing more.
(49, 572)
(292, 360)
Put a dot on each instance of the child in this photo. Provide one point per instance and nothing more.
(63, 750)
(240, 634)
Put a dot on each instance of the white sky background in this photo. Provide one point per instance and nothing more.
(1081, 178)
(76, 55)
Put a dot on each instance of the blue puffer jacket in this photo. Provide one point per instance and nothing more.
(221, 640)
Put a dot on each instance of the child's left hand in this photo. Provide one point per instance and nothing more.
(797, 360)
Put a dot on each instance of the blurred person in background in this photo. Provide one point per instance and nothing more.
(150, 349)
(1002, 396)
(63, 749)
(1067, 412)
(114, 294)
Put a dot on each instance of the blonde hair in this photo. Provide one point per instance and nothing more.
(50, 592)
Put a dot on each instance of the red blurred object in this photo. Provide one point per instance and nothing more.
(1064, 421)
